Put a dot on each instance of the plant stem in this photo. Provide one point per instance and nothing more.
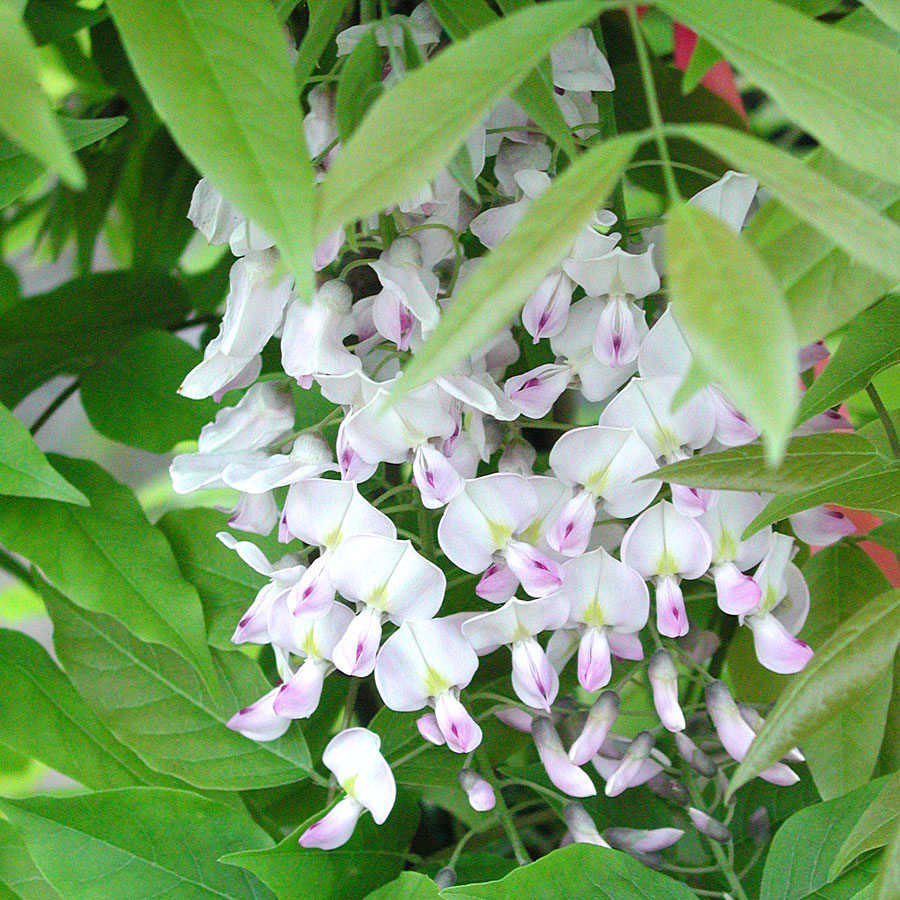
(886, 419)
(349, 707)
(653, 105)
(722, 861)
(503, 814)
(57, 402)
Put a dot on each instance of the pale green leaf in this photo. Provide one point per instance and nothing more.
(414, 130)
(217, 72)
(324, 16)
(841, 672)
(17, 869)
(491, 296)
(408, 886)
(841, 88)
(24, 470)
(735, 319)
(888, 879)
(886, 10)
(25, 114)
(874, 827)
(139, 843)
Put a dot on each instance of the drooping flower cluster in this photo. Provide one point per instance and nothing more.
(583, 555)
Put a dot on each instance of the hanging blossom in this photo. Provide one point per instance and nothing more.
(575, 538)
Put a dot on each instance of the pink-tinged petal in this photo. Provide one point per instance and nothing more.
(734, 733)
(534, 393)
(671, 616)
(810, 354)
(515, 718)
(559, 768)
(429, 729)
(497, 584)
(298, 698)
(581, 826)
(625, 646)
(394, 321)
(617, 340)
(334, 829)
(253, 627)
(637, 840)
(544, 314)
(354, 757)
(538, 574)
(732, 429)
(694, 756)
(664, 684)
(438, 482)
(776, 648)
(533, 678)
(352, 466)
(571, 531)
(709, 826)
(518, 457)
(780, 774)
(600, 719)
(634, 766)
(794, 608)
(594, 663)
(354, 653)
(459, 729)
(692, 502)
(314, 594)
(830, 420)
(326, 253)
(821, 526)
(736, 593)
(606, 767)
(259, 721)
(480, 793)
(256, 513)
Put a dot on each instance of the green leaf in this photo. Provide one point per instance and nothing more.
(841, 88)
(108, 558)
(223, 86)
(800, 856)
(735, 319)
(490, 297)
(842, 754)
(138, 843)
(373, 856)
(874, 432)
(414, 130)
(324, 17)
(25, 113)
(886, 10)
(44, 718)
(849, 222)
(360, 85)
(874, 827)
(132, 398)
(226, 584)
(578, 872)
(888, 879)
(80, 325)
(874, 487)
(24, 470)
(704, 57)
(409, 886)
(156, 705)
(535, 94)
(51, 20)
(870, 345)
(843, 669)
(809, 460)
(17, 869)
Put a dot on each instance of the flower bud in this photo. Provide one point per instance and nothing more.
(560, 769)
(736, 593)
(533, 678)
(664, 681)
(600, 719)
(259, 721)
(480, 793)
(445, 878)
(516, 718)
(581, 826)
(668, 788)
(518, 457)
(700, 645)
(694, 756)
(759, 826)
(636, 840)
(334, 829)
(628, 771)
(712, 828)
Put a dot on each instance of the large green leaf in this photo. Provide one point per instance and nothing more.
(874, 827)
(870, 345)
(887, 881)
(842, 88)
(133, 397)
(415, 129)
(17, 869)
(25, 114)
(324, 16)
(501, 284)
(108, 558)
(408, 886)
(217, 72)
(840, 215)
(842, 671)
(80, 324)
(808, 461)
(578, 872)
(18, 170)
(373, 856)
(156, 705)
(50, 20)
(138, 843)
(886, 10)
(799, 859)
(842, 754)
(24, 470)
(735, 319)
(226, 584)
(44, 718)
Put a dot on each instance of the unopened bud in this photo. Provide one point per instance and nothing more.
(668, 788)
(756, 722)
(712, 828)
(480, 793)
(514, 717)
(638, 840)
(700, 645)
(560, 769)
(629, 769)
(600, 719)
(518, 457)
(694, 756)
(581, 826)
(759, 826)
(663, 676)
(445, 878)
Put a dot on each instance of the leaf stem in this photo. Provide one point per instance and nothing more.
(653, 105)
(886, 419)
(349, 707)
(722, 861)
(503, 814)
(54, 405)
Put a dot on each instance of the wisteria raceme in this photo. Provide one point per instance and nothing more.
(583, 553)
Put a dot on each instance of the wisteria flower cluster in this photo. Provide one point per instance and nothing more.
(580, 566)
